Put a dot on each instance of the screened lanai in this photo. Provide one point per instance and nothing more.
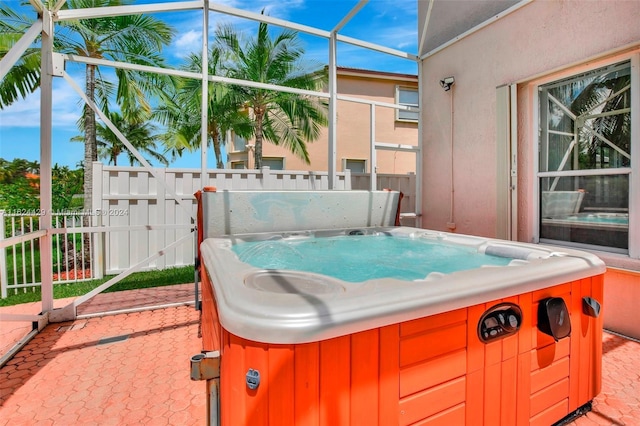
(444, 24)
(54, 65)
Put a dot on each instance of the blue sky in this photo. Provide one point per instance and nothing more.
(390, 23)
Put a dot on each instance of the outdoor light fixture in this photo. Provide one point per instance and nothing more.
(446, 83)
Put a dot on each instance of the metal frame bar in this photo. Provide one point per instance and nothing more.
(12, 56)
(204, 101)
(588, 172)
(128, 272)
(101, 12)
(634, 178)
(128, 144)
(477, 28)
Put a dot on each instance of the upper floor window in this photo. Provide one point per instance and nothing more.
(239, 143)
(585, 158)
(274, 163)
(407, 96)
(356, 166)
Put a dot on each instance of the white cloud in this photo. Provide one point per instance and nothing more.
(26, 112)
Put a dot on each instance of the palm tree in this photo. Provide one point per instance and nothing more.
(286, 119)
(24, 77)
(139, 131)
(135, 39)
(181, 113)
(17, 168)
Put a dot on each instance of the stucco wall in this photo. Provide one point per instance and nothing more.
(539, 38)
(353, 130)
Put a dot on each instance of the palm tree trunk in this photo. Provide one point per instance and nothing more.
(257, 155)
(90, 149)
(215, 137)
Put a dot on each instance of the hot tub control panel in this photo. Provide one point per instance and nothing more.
(499, 321)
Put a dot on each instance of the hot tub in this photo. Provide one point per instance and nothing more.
(513, 339)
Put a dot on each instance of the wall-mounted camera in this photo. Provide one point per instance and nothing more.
(446, 83)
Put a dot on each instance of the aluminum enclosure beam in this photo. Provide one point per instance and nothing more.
(14, 54)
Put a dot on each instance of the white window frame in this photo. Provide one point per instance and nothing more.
(400, 88)
(634, 174)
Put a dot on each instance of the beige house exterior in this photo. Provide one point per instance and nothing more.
(510, 137)
(353, 132)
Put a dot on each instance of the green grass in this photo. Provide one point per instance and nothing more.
(134, 281)
(19, 260)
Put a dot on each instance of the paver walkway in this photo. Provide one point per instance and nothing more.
(126, 369)
(12, 331)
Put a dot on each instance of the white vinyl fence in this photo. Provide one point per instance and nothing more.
(403, 183)
(131, 196)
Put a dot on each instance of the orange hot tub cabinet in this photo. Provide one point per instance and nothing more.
(429, 371)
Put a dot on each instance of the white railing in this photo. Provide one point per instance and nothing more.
(20, 261)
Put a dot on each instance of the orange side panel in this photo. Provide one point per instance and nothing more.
(434, 400)
(525, 333)
(232, 382)
(334, 381)
(492, 402)
(493, 353)
(364, 377)
(549, 375)
(508, 390)
(551, 415)
(307, 384)
(211, 331)
(547, 355)
(578, 349)
(524, 389)
(257, 401)
(549, 396)
(420, 347)
(281, 385)
(554, 291)
(432, 322)
(586, 343)
(433, 372)
(452, 416)
(474, 399)
(597, 292)
(389, 398)
(430, 371)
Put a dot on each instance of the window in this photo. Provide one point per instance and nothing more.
(239, 143)
(585, 158)
(274, 163)
(356, 166)
(407, 96)
(238, 165)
